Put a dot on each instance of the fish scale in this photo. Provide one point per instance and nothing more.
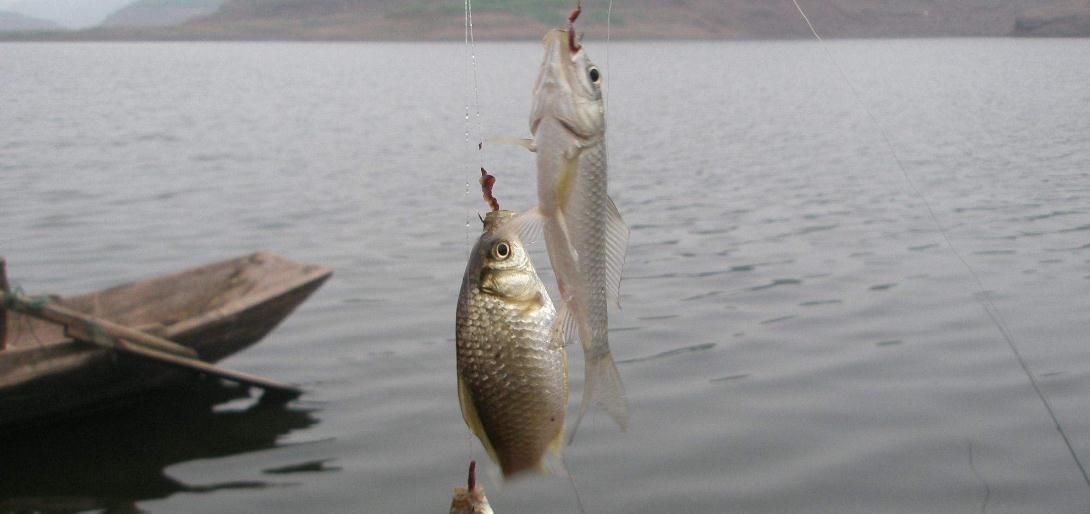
(588, 214)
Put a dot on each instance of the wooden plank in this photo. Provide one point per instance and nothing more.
(108, 341)
(110, 335)
(73, 320)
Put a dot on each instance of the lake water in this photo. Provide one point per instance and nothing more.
(796, 333)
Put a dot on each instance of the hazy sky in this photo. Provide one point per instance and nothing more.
(69, 13)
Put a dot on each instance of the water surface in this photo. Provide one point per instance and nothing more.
(796, 334)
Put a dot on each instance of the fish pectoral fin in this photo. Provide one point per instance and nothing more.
(575, 150)
(563, 331)
(526, 143)
(473, 420)
(526, 225)
(565, 178)
(562, 254)
(616, 234)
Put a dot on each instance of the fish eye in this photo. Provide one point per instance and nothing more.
(501, 250)
(594, 74)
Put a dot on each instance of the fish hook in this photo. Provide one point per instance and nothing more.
(572, 44)
(487, 181)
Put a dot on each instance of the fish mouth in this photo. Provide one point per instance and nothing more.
(486, 283)
(557, 82)
(563, 38)
(558, 63)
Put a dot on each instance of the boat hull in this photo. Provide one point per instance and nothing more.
(217, 310)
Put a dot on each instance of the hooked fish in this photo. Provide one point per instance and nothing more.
(512, 368)
(470, 499)
(584, 233)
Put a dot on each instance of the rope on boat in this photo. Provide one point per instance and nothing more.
(15, 300)
(18, 298)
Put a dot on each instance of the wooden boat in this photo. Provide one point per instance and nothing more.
(215, 310)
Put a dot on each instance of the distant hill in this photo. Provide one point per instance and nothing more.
(70, 14)
(1054, 21)
(160, 13)
(711, 19)
(632, 19)
(15, 22)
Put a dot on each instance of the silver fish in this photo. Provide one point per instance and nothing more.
(512, 367)
(584, 233)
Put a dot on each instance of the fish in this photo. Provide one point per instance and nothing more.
(470, 499)
(585, 235)
(512, 366)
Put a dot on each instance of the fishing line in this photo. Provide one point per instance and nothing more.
(470, 51)
(984, 483)
(466, 124)
(609, 71)
(471, 55)
(989, 308)
(571, 480)
(476, 86)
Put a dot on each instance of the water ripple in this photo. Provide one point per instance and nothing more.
(729, 378)
(778, 320)
(776, 283)
(670, 353)
(812, 303)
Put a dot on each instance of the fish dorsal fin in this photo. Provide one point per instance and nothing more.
(616, 247)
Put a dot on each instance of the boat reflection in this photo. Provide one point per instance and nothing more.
(112, 459)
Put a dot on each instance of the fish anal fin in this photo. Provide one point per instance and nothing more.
(473, 420)
(552, 462)
(557, 444)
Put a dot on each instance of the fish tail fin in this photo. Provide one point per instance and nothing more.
(602, 387)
